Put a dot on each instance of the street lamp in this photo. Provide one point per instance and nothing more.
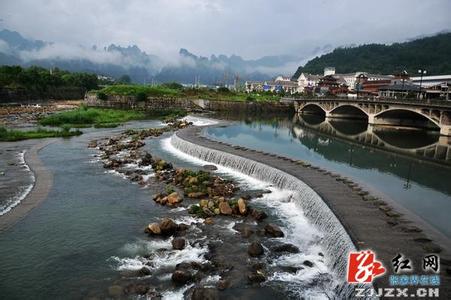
(404, 75)
(422, 72)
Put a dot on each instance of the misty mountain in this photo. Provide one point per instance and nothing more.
(432, 53)
(115, 61)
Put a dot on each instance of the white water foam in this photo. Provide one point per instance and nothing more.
(199, 121)
(23, 191)
(243, 179)
(176, 294)
(158, 259)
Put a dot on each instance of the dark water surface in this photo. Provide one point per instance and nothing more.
(410, 167)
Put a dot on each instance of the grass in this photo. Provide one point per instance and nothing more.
(141, 92)
(98, 117)
(11, 135)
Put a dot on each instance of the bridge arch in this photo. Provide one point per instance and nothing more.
(313, 108)
(348, 111)
(405, 117)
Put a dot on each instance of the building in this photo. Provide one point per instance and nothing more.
(427, 81)
(307, 82)
(368, 85)
(329, 71)
(278, 85)
(438, 91)
(332, 85)
(398, 91)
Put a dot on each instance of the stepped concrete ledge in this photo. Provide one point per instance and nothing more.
(369, 221)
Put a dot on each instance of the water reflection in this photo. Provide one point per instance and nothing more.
(410, 167)
(419, 143)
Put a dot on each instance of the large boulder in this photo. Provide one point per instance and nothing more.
(209, 167)
(224, 208)
(168, 226)
(196, 195)
(181, 276)
(144, 271)
(174, 198)
(256, 277)
(258, 215)
(273, 230)
(178, 243)
(255, 249)
(242, 206)
(203, 293)
(153, 228)
(146, 160)
(289, 248)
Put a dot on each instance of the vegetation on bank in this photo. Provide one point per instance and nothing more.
(86, 117)
(141, 92)
(11, 135)
(104, 117)
(430, 53)
(42, 81)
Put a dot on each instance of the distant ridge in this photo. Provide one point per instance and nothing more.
(431, 53)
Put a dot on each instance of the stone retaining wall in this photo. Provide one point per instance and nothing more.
(162, 103)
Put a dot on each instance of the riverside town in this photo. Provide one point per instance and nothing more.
(210, 149)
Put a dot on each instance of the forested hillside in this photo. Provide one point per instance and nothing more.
(430, 53)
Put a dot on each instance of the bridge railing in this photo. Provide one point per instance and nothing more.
(415, 102)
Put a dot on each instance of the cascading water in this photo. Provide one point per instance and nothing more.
(336, 241)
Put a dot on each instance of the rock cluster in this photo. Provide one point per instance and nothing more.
(208, 196)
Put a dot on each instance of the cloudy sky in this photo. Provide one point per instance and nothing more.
(251, 28)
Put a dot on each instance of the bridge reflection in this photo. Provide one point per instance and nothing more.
(419, 143)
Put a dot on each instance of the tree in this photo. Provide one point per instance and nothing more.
(125, 79)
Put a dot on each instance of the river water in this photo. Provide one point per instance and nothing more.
(87, 234)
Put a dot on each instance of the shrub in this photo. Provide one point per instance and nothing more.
(141, 96)
(102, 96)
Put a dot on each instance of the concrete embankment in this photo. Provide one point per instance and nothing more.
(43, 183)
(162, 103)
(369, 221)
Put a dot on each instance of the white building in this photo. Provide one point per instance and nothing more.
(428, 81)
(329, 71)
(306, 80)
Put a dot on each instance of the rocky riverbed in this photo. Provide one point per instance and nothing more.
(19, 116)
(213, 242)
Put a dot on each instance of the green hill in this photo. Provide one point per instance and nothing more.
(431, 53)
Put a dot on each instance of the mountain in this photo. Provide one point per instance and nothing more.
(216, 70)
(115, 61)
(432, 53)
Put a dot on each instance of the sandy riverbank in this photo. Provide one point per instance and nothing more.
(43, 180)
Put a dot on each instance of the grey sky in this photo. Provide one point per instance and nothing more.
(251, 28)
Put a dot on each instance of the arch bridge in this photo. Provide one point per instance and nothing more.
(439, 150)
(409, 113)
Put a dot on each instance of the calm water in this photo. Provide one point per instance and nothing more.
(61, 249)
(400, 172)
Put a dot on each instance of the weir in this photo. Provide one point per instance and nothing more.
(336, 242)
